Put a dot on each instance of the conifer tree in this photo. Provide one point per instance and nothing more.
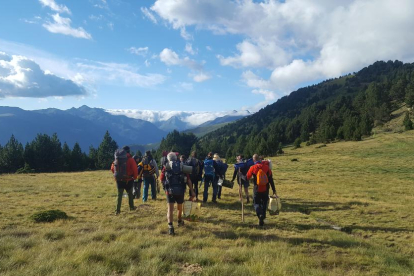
(12, 156)
(408, 124)
(66, 153)
(106, 150)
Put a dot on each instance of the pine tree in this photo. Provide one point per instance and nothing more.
(66, 153)
(297, 142)
(92, 158)
(106, 151)
(408, 124)
(76, 160)
(12, 156)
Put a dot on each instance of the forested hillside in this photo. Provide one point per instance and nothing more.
(346, 108)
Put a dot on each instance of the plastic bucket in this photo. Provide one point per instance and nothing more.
(275, 205)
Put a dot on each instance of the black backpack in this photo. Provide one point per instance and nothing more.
(120, 165)
(195, 164)
(174, 179)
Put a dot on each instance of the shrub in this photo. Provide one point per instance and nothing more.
(49, 216)
(296, 144)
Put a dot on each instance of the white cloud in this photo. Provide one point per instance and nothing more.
(186, 86)
(61, 25)
(301, 41)
(169, 57)
(209, 48)
(147, 63)
(103, 72)
(87, 73)
(201, 77)
(189, 49)
(190, 117)
(141, 51)
(149, 15)
(54, 6)
(22, 77)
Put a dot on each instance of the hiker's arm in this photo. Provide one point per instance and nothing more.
(113, 167)
(234, 174)
(156, 168)
(133, 167)
(250, 173)
(272, 183)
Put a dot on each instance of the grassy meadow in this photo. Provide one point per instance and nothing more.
(347, 210)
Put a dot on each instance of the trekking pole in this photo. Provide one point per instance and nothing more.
(242, 203)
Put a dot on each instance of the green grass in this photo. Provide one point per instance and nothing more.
(364, 189)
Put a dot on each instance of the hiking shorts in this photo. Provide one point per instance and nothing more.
(243, 181)
(179, 199)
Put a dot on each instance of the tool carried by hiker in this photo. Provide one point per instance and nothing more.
(241, 200)
(275, 205)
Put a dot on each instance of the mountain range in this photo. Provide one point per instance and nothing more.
(87, 126)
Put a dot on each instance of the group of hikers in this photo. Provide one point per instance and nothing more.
(178, 172)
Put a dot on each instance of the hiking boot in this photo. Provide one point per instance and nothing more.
(171, 231)
(133, 208)
(117, 213)
(261, 222)
(180, 223)
(214, 201)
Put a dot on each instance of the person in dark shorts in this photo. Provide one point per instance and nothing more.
(175, 181)
(240, 174)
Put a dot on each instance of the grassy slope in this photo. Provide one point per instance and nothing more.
(365, 187)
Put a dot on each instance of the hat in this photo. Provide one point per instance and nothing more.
(126, 148)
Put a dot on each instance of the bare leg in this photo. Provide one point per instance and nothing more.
(180, 211)
(170, 212)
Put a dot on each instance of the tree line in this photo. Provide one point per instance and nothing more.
(345, 108)
(46, 154)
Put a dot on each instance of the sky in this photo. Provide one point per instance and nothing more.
(187, 55)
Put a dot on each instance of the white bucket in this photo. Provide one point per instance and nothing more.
(191, 210)
(275, 205)
(220, 182)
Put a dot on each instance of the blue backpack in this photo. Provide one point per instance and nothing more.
(208, 167)
(221, 167)
(244, 166)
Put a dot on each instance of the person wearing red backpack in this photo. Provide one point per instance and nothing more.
(262, 176)
(125, 182)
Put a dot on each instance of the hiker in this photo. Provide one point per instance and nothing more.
(175, 181)
(210, 168)
(262, 176)
(147, 168)
(125, 172)
(138, 181)
(182, 159)
(197, 171)
(220, 173)
(240, 174)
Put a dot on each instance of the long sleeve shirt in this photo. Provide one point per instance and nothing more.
(132, 169)
(253, 172)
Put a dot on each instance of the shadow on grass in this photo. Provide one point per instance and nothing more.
(262, 236)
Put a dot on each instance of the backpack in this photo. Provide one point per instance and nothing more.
(244, 166)
(148, 168)
(261, 181)
(120, 165)
(221, 167)
(193, 162)
(174, 179)
(208, 167)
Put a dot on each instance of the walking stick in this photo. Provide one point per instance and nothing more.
(242, 203)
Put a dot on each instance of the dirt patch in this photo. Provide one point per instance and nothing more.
(191, 269)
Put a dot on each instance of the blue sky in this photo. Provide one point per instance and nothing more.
(206, 55)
